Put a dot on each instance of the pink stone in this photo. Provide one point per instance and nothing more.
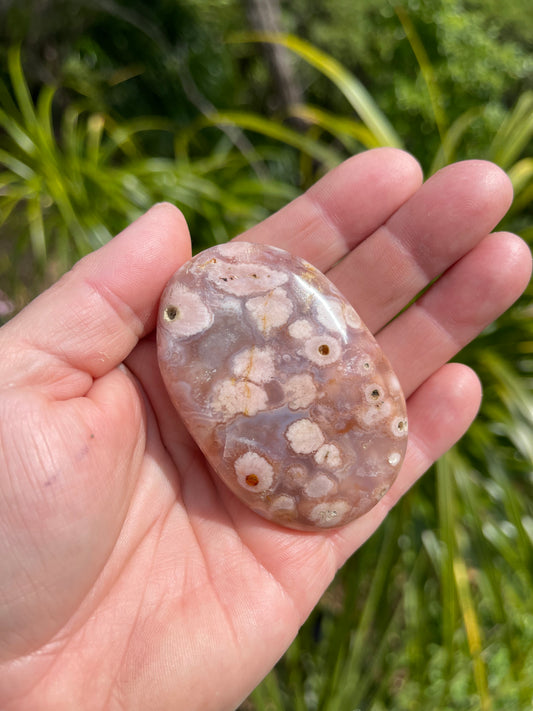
(281, 385)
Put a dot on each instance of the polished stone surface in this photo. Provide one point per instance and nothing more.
(281, 385)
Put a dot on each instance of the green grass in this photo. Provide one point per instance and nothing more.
(69, 182)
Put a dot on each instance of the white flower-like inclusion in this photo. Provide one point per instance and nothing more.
(394, 383)
(352, 317)
(304, 436)
(329, 513)
(244, 279)
(296, 475)
(374, 414)
(300, 391)
(328, 456)
(235, 249)
(319, 486)
(255, 364)
(330, 313)
(323, 350)
(254, 472)
(282, 503)
(238, 397)
(302, 328)
(377, 466)
(184, 313)
(270, 311)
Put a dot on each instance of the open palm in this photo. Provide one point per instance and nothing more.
(131, 578)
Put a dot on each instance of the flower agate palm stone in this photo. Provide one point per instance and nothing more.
(281, 385)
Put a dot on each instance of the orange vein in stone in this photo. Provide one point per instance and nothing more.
(247, 379)
(265, 313)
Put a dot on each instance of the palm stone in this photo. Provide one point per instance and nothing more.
(281, 385)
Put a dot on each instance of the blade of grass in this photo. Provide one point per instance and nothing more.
(515, 132)
(447, 512)
(343, 686)
(354, 91)
(123, 136)
(484, 525)
(515, 513)
(69, 132)
(517, 399)
(267, 696)
(10, 201)
(36, 227)
(16, 166)
(252, 122)
(338, 126)
(44, 114)
(95, 130)
(295, 678)
(20, 87)
(7, 102)
(452, 137)
(428, 75)
(17, 133)
(521, 174)
(473, 632)
(410, 629)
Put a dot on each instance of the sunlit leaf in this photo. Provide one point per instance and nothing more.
(36, 227)
(338, 126)
(20, 87)
(452, 137)
(252, 122)
(515, 132)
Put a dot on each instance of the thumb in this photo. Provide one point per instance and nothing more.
(91, 319)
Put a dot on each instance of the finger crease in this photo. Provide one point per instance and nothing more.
(414, 264)
(338, 249)
(438, 326)
(124, 312)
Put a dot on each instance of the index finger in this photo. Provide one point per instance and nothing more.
(343, 208)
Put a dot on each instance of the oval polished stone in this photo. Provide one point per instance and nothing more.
(281, 385)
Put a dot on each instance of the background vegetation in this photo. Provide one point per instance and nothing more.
(110, 105)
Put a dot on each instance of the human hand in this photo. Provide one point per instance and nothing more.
(133, 579)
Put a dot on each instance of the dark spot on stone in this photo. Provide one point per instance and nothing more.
(171, 313)
(323, 349)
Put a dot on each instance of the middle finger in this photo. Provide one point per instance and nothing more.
(451, 213)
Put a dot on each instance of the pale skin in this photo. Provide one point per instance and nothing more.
(131, 578)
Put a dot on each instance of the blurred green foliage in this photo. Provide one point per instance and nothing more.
(479, 54)
(111, 105)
